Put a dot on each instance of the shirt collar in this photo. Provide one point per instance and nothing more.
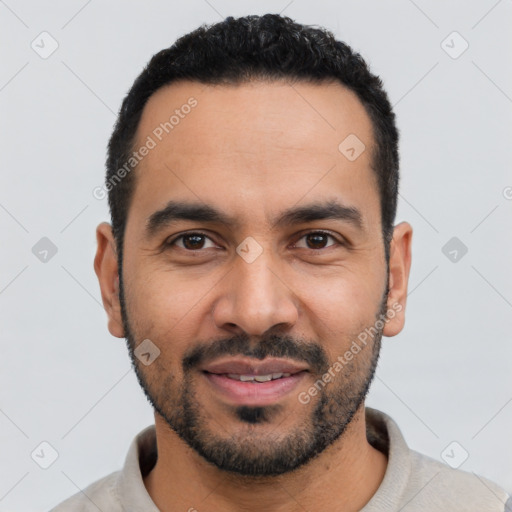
(384, 434)
(131, 490)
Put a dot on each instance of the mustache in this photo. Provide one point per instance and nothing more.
(270, 346)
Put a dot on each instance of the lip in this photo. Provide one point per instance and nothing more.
(253, 393)
(246, 366)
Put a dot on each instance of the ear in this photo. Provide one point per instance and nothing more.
(106, 268)
(399, 266)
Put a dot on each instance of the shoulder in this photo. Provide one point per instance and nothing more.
(415, 482)
(435, 486)
(101, 495)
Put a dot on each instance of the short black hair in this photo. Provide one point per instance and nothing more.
(236, 51)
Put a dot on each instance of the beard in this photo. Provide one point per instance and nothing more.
(257, 448)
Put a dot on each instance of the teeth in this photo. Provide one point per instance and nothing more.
(263, 378)
(257, 378)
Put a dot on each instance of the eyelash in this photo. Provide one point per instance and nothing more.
(172, 242)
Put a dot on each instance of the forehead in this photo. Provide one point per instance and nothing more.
(260, 146)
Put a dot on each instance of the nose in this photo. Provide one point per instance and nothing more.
(255, 298)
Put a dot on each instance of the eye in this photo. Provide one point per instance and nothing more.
(195, 241)
(190, 241)
(317, 240)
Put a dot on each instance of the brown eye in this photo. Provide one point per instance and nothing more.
(317, 240)
(191, 241)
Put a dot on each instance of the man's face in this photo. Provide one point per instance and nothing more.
(226, 302)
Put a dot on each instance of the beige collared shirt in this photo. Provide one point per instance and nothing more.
(413, 482)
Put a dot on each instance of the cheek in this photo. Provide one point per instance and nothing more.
(342, 308)
(166, 306)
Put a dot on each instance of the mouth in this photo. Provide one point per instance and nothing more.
(257, 378)
(256, 383)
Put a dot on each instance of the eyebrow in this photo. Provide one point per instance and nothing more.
(175, 211)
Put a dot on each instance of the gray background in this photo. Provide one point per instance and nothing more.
(65, 380)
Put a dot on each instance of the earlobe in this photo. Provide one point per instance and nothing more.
(399, 268)
(106, 268)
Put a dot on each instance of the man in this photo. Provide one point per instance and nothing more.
(253, 267)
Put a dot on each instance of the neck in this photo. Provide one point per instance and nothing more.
(343, 477)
